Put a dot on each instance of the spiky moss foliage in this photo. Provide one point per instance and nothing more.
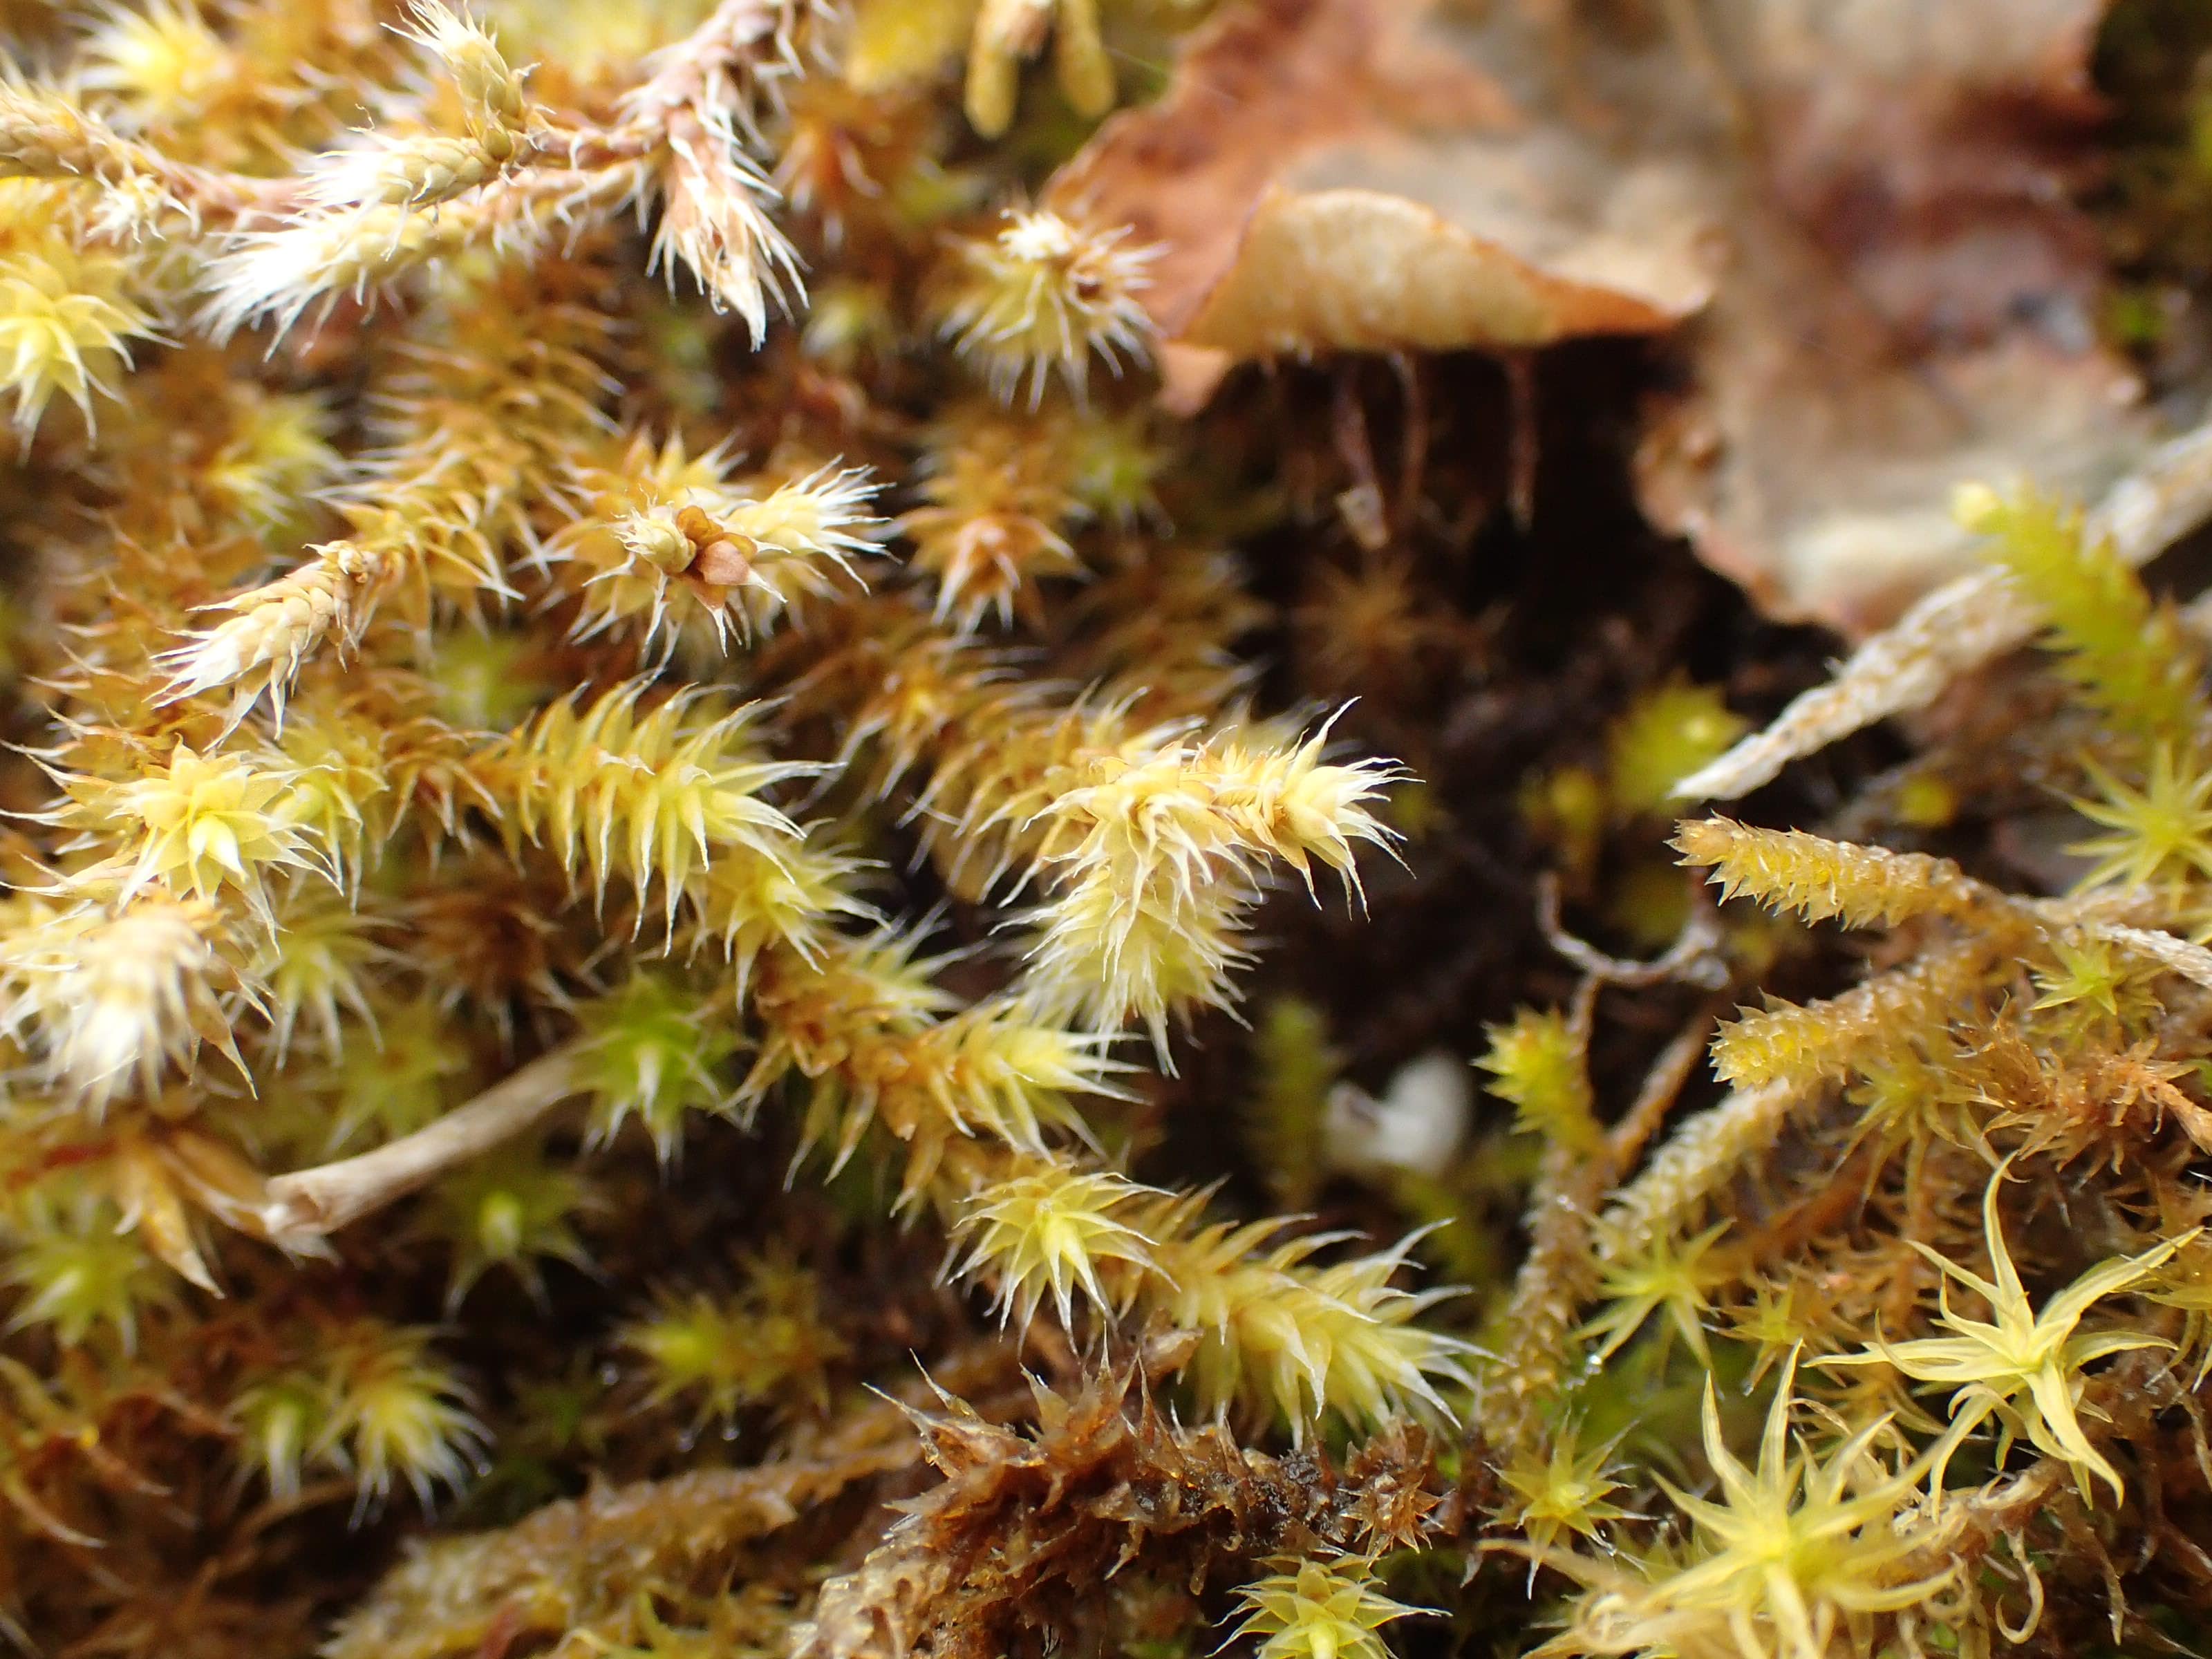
(1156, 855)
(1565, 1490)
(1823, 880)
(1662, 737)
(1537, 1062)
(2021, 1366)
(1043, 297)
(2129, 657)
(69, 308)
(1989, 1027)
(1050, 1231)
(1268, 1334)
(1093, 46)
(652, 1048)
(1318, 1611)
(998, 497)
(768, 1345)
(550, 944)
(196, 825)
(1790, 1556)
(366, 1399)
(665, 547)
(80, 1271)
(1296, 1341)
(109, 997)
(509, 1213)
(649, 795)
(1286, 1120)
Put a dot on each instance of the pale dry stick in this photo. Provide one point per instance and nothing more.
(308, 1205)
(1961, 626)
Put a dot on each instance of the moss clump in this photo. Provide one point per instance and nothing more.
(625, 915)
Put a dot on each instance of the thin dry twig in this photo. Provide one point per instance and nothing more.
(1961, 626)
(1693, 958)
(307, 1205)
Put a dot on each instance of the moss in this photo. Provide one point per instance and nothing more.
(628, 918)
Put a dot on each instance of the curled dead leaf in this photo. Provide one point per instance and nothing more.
(1911, 299)
(1824, 489)
(1346, 175)
(1364, 270)
(1861, 209)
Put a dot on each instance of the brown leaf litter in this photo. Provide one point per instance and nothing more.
(1859, 217)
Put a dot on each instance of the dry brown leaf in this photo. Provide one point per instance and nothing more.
(1347, 174)
(1872, 195)
(1910, 304)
